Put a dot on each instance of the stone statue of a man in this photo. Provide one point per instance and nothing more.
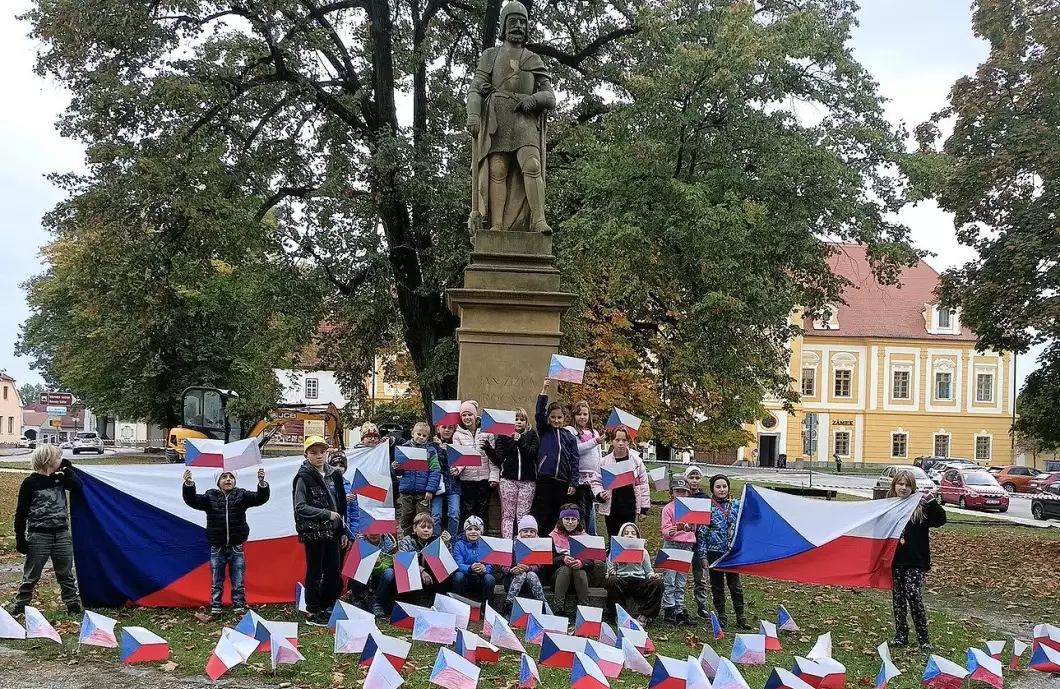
(506, 108)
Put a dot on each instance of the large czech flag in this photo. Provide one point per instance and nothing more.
(781, 536)
(137, 543)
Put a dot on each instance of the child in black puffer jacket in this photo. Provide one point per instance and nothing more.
(226, 530)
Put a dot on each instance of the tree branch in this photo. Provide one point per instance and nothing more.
(281, 194)
(574, 61)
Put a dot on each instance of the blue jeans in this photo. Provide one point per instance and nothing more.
(232, 556)
(674, 582)
(471, 583)
(452, 509)
(592, 519)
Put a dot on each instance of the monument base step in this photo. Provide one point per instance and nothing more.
(597, 597)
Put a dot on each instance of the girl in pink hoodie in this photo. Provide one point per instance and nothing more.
(476, 483)
(628, 503)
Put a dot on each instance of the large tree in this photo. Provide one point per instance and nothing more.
(692, 199)
(999, 174)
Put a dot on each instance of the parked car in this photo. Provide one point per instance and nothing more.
(87, 441)
(1039, 482)
(1015, 479)
(27, 443)
(972, 489)
(994, 470)
(939, 468)
(928, 462)
(883, 483)
(66, 446)
(1046, 504)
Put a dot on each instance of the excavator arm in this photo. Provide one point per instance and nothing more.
(267, 429)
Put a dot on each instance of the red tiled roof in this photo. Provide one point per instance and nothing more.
(875, 310)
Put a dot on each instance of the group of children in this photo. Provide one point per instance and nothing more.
(325, 520)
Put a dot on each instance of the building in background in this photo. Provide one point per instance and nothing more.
(10, 410)
(887, 377)
(45, 422)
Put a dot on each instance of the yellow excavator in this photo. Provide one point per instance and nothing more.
(205, 415)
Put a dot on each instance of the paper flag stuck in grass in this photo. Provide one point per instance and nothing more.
(692, 510)
(140, 645)
(626, 621)
(728, 676)
(382, 675)
(619, 474)
(749, 649)
(823, 647)
(457, 608)
(586, 674)
(272, 628)
(522, 608)
(476, 606)
(674, 560)
(1045, 659)
(715, 626)
(808, 670)
(407, 572)
(668, 673)
(488, 616)
(539, 623)
(634, 659)
(498, 421)
(98, 630)
(587, 621)
(608, 636)
(435, 627)
(232, 649)
(943, 674)
(984, 668)
(403, 616)
(785, 621)
(445, 412)
(566, 369)
(835, 673)
(660, 478)
(496, 551)
(1046, 634)
(528, 673)
(352, 635)
(283, 652)
(501, 635)
(709, 661)
(638, 638)
(463, 456)
(359, 564)
(370, 485)
(299, 596)
(782, 679)
(453, 672)
(557, 650)
(377, 520)
(474, 648)
(888, 670)
(533, 551)
(345, 611)
(439, 560)
(994, 649)
(411, 458)
(627, 550)
(586, 547)
(769, 630)
(623, 419)
(9, 626)
(695, 678)
(252, 624)
(1018, 647)
(390, 648)
(609, 659)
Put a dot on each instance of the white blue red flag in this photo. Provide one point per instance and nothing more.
(377, 520)
(1045, 659)
(888, 670)
(283, 652)
(498, 421)
(940, 673)
(1046, 634)
(451, 671)
(619, 474)
(781, 536)
(668, 673)
(808, 670)
(360, 561)
(463, 456)
(352, 635)
(539, 623)
(566, 369)
(782, 679)
(633, 659)
(609, 659)
(496, 551)
(984, 668)
(588, 621)
(785, 621)
(769, 630)
(533, 551)
(715, 626)
(692, 510)
(749, 649)
(674, 560)
(407, 572)
(623, 419)
(627, 550)
(626, 621)
(528, 673)
(457, 608)
(608, 635)
(9, 626)
(435, 627)
(411, 458)
(709, 661)
(695, 678)
(345, 611)
(557, 650)
(370, 484)
(445, 412)
(204, 452)
(728, 676)
(98, 630)
(439, 560)
(392, 649)
(233, 648)
(586, 674)
(660, 478)
(1018, 647)
(994, 648)
(586, 547)
(140, 645)
(382, 675)
(638, 638)
(299, 597)
(501, 635)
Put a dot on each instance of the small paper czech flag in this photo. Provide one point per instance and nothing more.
(403, 616)
(627, 550)
(660, 478)
(345, 611)
(782, 679)
(822, 648)
(692, 510)
(749, 649)
(463, 456)
(394, 650)
(439, 560)
(476, 606)
(283, 652)
(1045, 659)
(299, 595)
(98, 630)
(888, 671)
(360, 562)
(638, 638)
(501, 635)
(633, 659)
(695, 678)
(587, 621)
(808, 671)
(370, 485)
(435, 627)
(377, 520)
(586, 674)
(715, 626)
(533, 551)
(496, 551)
(528, 673)
(557, 650)
(382, 675)
(608, 636)
(1018, 647)
(233, 648)
(566, 369)
(709, 661)
(674, 560)
(240, 454)
(451, 671)
(140, 645)
(407, 572)
(626, 621)
(984, 668)
(835, 673)
(785, 621)
(539, 623)
(729, 677)
(9, 626)
(994, 648)
(204, 452)
(252, 624)
(411, 459)
(1046, 634)
(352, 635)
(498, 421)
(619, 474)
(623, 419)
(522, 608)
(458, 608)
(609, 659)
(668, 673)
(769, 630)
(586, 547)
(943, 674)
(445, 413)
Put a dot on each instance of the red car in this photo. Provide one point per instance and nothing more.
(1039, 482)
(972, 489)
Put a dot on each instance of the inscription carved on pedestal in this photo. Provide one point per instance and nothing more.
(505, 392)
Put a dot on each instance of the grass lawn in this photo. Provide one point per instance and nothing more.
(989, 581)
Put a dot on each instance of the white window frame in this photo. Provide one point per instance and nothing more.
(908, 374)
(835, 443)
(812, 370)
(312, 388)
(850, 383)
(989, 447)
(949, 383)
(904, 434)
(948, 325)
(935, 444)
(979, 398)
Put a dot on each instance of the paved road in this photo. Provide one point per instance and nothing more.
(22, 454)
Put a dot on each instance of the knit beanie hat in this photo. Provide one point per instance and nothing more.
(218, 474)
(528, 522)
(693, 469)
(472, 521)
(469, 405)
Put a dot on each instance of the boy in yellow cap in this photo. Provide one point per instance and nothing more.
(319, 503)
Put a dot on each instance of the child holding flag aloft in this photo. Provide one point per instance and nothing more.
(676, 536)
(714, 541)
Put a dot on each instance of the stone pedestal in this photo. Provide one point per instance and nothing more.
(509, 309)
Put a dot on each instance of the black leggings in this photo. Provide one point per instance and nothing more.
(323, 574)
(475, 500)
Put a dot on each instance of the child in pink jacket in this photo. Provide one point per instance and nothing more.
(676, 536)
(628, 503)
(476, 483)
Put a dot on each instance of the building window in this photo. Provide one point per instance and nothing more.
(945, 319)
(312, 388)
(982, 448)
(843, 377)
(5, 392)
(900, 389)
(899, 445)
(943, 387)
(842, 443)
(10, 425)
(984, 387)
(809, 382)
(942, 445)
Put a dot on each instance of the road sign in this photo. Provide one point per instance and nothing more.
(59, 398)
(56, 411)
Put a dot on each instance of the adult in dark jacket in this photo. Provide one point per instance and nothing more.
(226, 531)
(42, 530)
(516, 455)
(557, 465)
(912, 560)
(319, 501)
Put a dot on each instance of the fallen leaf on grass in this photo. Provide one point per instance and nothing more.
(168, 667)
(337, 678)
(202, 617)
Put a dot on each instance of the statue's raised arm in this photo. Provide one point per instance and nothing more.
(507, 104)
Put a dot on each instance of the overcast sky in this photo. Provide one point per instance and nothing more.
(915, 62)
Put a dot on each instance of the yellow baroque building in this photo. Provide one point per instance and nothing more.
(888, 377)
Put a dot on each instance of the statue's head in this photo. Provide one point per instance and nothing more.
(514, 20)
